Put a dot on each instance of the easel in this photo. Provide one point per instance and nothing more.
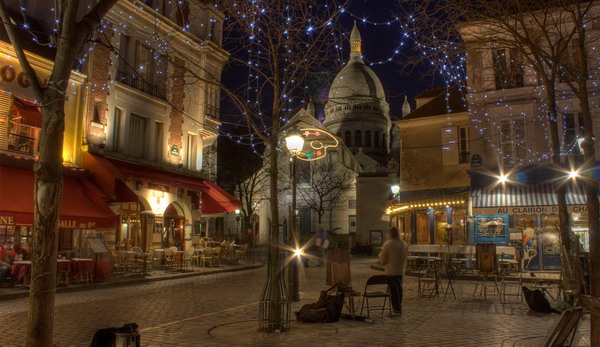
(98, 247)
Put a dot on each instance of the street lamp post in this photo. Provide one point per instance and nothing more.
(294, 142)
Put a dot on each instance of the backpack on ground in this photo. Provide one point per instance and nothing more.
(327, 309)
(536, 300)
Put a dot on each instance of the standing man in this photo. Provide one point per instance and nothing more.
(7, 256)
(393, 256)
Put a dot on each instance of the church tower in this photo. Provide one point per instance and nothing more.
(356, 109)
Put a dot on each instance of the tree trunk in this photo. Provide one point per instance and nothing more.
(591, 192)
(276, 295)
(47, 194)
(563, 212)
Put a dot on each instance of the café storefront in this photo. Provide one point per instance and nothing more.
(431, 216)
(83, 210)
(527, 217)
(157, 208)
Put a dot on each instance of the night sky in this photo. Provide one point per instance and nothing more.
(399, 77)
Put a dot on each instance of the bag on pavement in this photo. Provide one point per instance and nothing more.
(536, 300)
(326, 310)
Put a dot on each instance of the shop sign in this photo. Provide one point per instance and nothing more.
(14, 79)
(73, 224)
(63, 223)
(476, 160)
(527, 210)
(7, 220)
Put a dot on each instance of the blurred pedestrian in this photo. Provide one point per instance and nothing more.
(393, 257)
(322, 243)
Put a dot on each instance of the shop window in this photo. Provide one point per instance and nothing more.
(459, 231)
(423, 228)
(405, 228)
(65, 240)
(440, 223)
(579, 225)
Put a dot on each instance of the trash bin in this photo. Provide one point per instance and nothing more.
(125, 336)
(127, 339)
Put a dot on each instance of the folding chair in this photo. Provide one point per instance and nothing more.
(377, 280)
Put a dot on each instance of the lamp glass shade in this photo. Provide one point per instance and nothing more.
(395, 189)
(294, 141)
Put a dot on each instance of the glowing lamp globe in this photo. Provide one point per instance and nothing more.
(395, 189)
(294, 141)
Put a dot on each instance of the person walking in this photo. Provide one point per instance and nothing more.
(393, 257)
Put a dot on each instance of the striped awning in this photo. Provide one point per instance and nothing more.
(526, 195)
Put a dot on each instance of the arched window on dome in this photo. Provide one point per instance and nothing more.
(338, 108)
(358, 138)
(348, 138)
(368, 138)
(346, 107)
(376, 139)
(383, 141)
(367, 107)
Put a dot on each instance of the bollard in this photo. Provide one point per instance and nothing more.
(127, 339)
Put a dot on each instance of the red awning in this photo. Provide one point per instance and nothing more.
(28, 112)
(83, 206)
(106, 170)
(215, 200)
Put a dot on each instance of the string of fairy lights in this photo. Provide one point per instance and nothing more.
(488, 124)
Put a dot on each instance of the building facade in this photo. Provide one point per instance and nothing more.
(141, 123)
(434, 162)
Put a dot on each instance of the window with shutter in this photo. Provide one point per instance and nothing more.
(449, 146)
(513, 141)
(137, 136)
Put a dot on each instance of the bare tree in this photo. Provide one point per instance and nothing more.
(71, 36)
(325, 186)
(550, 38)
(279, 44)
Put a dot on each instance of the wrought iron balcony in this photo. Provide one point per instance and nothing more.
(21, 144)
(133, 80)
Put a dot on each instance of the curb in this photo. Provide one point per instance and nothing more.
(132, 282)
(467, 277)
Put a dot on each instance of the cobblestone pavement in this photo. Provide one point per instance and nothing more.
(221, 309)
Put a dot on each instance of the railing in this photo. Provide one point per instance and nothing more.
(21, 144)
(211, 111)
(136, 82)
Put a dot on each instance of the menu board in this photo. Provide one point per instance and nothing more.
(97, 245)
(485, 231)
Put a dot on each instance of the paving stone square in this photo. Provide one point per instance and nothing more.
(222, 309)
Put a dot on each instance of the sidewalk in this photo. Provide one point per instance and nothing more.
(117, 280)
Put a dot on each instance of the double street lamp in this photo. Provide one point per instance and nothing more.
(294, 142)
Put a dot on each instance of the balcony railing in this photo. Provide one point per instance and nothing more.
(136, 82)
(21, 144)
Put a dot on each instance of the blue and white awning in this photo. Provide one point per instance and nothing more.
(526, 195)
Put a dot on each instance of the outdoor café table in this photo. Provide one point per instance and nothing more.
(80, 264)
(20, 269)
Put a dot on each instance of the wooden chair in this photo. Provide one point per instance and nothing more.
(207, 256)
(241, 253)
(187, 259)
(216, 251)
(169, 258)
